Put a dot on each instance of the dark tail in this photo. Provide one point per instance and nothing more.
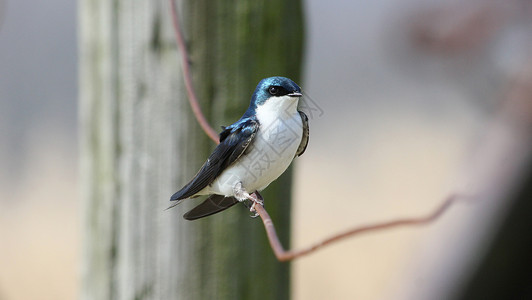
(213, 204)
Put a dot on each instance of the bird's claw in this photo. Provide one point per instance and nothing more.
(255, 202)
(242, 196)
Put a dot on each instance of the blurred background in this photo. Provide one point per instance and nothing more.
(401, 95)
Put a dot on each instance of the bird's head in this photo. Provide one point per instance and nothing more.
(278, 92)
(272, 87)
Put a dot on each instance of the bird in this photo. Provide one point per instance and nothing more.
(253, 152)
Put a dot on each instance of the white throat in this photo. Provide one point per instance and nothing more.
(277, 107)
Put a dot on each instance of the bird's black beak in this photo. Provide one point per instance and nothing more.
(295, 94)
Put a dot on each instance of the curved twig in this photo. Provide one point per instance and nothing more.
(283, 255)
(192, 99)
(280, 253)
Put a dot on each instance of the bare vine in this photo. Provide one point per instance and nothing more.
(278, 249)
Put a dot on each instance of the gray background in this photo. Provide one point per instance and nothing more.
(398, 123)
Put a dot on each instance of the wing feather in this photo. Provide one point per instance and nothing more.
(234, 140)
(304, 140)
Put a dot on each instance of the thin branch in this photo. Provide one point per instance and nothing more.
(280, 253)
(283, 255)
(192, 99)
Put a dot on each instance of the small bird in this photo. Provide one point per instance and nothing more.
(253, 151)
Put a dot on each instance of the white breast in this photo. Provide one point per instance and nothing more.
(272, 151)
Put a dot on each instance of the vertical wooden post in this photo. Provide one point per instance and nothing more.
(140, 143)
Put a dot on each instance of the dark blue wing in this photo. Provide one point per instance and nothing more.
(234, 140)
(304, 140)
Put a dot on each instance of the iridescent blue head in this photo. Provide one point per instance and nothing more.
(272, 87)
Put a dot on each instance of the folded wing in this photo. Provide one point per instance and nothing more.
(304, 140)
(234, 140)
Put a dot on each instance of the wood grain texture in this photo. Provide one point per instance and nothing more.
(140, 143)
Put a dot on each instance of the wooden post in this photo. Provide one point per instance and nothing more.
(140, 143)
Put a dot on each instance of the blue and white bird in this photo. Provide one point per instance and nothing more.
(253, 152)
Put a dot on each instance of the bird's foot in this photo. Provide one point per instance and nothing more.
(256, 200)
(240, 192)
(250, 204)
(242, 195)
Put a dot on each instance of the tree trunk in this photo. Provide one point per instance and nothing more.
(140, 143)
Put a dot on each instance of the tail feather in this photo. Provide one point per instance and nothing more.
(213, 204)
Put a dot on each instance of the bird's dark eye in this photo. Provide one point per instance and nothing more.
(273, 90)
